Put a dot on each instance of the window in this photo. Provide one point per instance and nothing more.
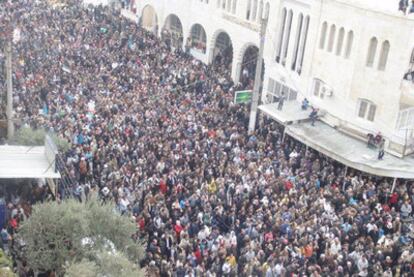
(331, 38)
(287, 37)
(254, 10)
(317, 91)
(366, 109)
(297, 41)
(323, 35)
(349, 41)
(406, 119)
(249, 4)
(371, 112)
(282, 30)
(267, 10)
(371, 51)
(303, 45)
(384, 55)
(276, 88)
(234, 6)
(223, 4)
(320, 89)
(260, 14)
(340, 41)
(228, 5)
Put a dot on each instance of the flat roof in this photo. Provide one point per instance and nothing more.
(350, 151)
(389, 7)
(25, 162)
(291, 112)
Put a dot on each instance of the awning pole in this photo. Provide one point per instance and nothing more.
(393, 185)
(346, 171)
(284, 134)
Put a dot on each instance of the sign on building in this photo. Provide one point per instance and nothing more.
(243, 96)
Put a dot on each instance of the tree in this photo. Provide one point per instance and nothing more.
(72, 232)
(6, 265)
(36, 137)
(105, 264)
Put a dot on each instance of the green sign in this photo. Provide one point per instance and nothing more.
(243, 96)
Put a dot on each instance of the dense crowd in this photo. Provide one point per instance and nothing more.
(156, 131)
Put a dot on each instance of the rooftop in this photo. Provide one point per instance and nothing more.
(351, 152)
(25, 162)
(291, 112)
(385, 6)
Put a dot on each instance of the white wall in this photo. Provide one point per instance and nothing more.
(349, 78)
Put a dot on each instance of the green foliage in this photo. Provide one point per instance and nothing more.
(4, 260)
(104, 264)
(55, 234)
(62, 144)
(84, 268)
(106, 225)
(30, 137)
(6, 265)
(7, 272)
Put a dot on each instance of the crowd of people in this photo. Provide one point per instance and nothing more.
(405, 6)
(156, 132)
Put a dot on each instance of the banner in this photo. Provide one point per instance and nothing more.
(243, 96)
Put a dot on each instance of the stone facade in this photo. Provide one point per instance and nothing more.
(348, 58)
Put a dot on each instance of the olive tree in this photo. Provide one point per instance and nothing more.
(36, 137)
(58, 234)
(104, 264)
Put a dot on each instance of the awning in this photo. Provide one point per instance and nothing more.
(26, 162)
(291, 112)
(350, 151)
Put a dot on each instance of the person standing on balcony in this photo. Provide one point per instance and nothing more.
(381, 149)
(281, 101)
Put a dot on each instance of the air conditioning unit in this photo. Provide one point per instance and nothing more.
(327, 91)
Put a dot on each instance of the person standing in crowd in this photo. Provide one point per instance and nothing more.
(165, 142)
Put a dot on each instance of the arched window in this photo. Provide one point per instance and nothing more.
(267, 10)
(297, 41)
(303, 45)
(254, 10)
(323, 35)
(384, 55)
(341, 36)
(331, 38)
(249, 5)
(371, 51)
(349, 42)
(223, 4)
(281, 34)
(228, 5)
(234, 6)
(286, 38)
(260, 13)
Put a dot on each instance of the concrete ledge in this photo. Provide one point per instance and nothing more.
(350, 151)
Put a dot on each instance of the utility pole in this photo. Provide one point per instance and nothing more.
(258, 77)
(9, 82)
